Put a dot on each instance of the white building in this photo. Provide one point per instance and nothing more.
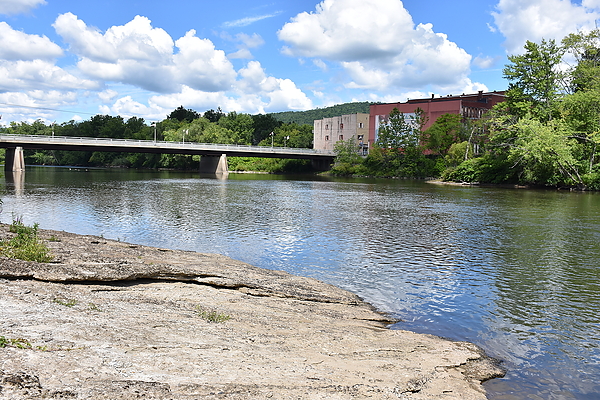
(328, 131)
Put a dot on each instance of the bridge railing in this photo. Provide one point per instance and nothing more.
(151, 143)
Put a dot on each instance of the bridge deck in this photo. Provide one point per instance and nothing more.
(161, 147)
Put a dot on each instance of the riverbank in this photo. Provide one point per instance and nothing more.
(111, 320)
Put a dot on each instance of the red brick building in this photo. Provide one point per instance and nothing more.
(470, 106)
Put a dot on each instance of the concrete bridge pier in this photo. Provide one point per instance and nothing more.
(214, 164)
(14, 160)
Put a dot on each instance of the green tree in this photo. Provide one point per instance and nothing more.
(263, 125)
(347, 159)
(447, 130)
(182, 114)
(545, 152)
(290, 135)
(214, 116)
(585, 48)
(240, 125)
(401, 132)
(536, 79)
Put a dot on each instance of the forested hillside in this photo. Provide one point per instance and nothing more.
(307, 117)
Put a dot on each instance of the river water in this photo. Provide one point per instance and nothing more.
(515, 271)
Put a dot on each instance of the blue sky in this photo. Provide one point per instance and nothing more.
(63, 59)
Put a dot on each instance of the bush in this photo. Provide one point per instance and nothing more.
(25, 245)
(485, 169)
(592, 180)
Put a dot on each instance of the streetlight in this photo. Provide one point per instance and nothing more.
(272, 134)
(154, 125)
(285, 139)
(185, 132)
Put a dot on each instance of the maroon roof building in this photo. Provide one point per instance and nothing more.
(470, 106)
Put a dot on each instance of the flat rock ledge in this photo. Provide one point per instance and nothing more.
(112, 320)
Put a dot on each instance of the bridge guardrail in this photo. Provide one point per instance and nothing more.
(159, 143)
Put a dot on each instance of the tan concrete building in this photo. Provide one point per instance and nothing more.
(328, 131)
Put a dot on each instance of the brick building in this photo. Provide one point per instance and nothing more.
(470, 106)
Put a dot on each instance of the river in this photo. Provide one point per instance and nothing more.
(515, 271)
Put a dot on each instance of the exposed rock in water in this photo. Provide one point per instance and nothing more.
(111, 320)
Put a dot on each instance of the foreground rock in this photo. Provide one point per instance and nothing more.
(110, 320)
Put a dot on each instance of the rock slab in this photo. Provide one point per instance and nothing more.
(112, 320)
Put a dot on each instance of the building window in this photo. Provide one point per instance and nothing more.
(341, 137)
(360, 125)
(326, 127)
(360, 137)
(341, 126)
(326, 137)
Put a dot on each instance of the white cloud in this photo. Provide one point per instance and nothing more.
(386, 53)
(34, 104)
(320, 64)
(591, 4)
(485, 62)
(107, 95)
(533, 20)
(11, 7)
(253, 92)
(248, 20)
(241, 54)
(250, 41)
(24, 75)
(200, 66)
(136, 40)
(339, 30)
(17, 45)
(244, 43)
(140, 55)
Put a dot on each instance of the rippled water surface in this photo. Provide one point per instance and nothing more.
(514, 271)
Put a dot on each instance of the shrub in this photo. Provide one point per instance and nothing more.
(25, 245)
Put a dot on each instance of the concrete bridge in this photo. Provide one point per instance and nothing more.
(213, 160)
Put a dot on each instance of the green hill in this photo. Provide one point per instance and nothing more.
(307, 117)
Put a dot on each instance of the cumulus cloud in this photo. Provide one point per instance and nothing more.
(24, 75)
(253, 92)
(136, 40)
(387, 52)
(12, 7)
(140, 55)
(201, 66)
(17, 45)
(107, 95)
(534, 20)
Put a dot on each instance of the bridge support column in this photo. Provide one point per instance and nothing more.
(214, 164)
(14, 160)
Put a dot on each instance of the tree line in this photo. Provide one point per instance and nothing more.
(309, 116)
(212, 126)
(546, 133)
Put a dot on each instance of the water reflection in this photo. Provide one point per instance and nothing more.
(514, 271)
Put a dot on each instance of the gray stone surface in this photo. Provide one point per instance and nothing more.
(111, 320)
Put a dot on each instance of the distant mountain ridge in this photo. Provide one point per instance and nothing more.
(307, 117)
